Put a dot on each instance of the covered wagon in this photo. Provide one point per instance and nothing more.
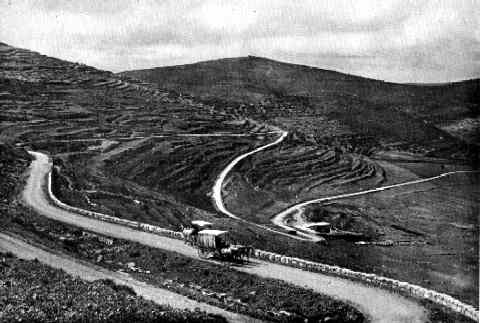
(217, 244)
(211, 242)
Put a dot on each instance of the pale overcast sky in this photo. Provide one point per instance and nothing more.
(394, 40)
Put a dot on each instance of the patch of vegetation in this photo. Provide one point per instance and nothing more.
(34, 292)
(12, 163)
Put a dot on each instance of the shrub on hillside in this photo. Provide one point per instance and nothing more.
(33, 292)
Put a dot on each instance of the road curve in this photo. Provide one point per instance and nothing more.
(218, 199)
(379, 305)
(90, 272)
(217, 188)
(279, 219)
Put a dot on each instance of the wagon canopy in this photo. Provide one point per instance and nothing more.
(213, 239)
(200, 224)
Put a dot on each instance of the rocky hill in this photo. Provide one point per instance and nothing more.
(423, 115)
(255, 78)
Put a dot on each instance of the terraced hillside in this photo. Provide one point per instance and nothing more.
(134, 150)
(325, 104)
(186, 167)
(158, 153)
(296, 171)
(85, 117)
(339, 124)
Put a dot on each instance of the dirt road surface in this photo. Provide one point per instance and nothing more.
(279, 219)
(217, 188)
(90, 272)
(377, 304)
(218, 199)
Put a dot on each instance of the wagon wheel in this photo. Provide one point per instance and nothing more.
(222, 256)
(205, 253)
(227, 257)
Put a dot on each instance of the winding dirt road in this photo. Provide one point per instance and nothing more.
(279, 219)
(377, 304)
(217, 188)
(90, 272)
(218, 199)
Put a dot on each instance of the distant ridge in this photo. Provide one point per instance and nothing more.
(403, 112)
(260, 59)
(253, 78)
(441, 83)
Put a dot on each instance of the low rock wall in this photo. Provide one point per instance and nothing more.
(383, 282)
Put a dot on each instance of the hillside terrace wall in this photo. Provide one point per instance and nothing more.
(404, 288)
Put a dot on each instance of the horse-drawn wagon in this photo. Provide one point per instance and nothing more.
(212, 242)
(215, 243)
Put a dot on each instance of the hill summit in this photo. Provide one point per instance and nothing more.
(427, 115)
(253, 78)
